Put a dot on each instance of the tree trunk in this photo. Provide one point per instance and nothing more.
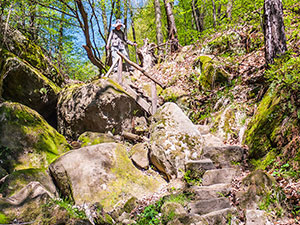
(159, 35)
(229, 9)
(172, 30)
(84, 24)
(118, 12)
(275, 40)
(104, 18)
(198, 17)
(214, 12)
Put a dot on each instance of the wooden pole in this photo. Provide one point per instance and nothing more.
(141, 69)
(154, 97)
(120, 70)
(111, 68)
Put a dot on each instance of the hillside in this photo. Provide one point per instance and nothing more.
(222, 147)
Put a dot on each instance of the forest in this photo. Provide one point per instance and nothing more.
(200, 125)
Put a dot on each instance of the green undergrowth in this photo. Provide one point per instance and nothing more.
(73, 211)
(152, 213)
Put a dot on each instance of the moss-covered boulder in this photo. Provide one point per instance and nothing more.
(101, 106)
(26, 139)
(20, 82)
(18, 44)
(17, 180)
(259, 191)
(101, 173)
(273, 130)
(33, 204)
(93, 138)
(174, 139)
(210, 74)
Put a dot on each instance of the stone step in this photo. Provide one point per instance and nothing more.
(198, 167)
(223, 216)
(211, 140)
(209, 192)
(206, 206)
(219, 176)
(224, 157)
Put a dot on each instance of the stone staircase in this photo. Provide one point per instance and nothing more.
(211, 203)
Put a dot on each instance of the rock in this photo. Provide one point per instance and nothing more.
(223, 216)
(27, 140)
(20, 82)
(173, 210)
(26, 50)
(93, 138)
(256, 217)
(140, 125)
(210, 75)
(229, 42)
(206, 206)
(33, 205)
(31, 191)
(203, 129)
(17, 180)
(24, 205)
(130, 205)
(211, 140)
(224, 157)
(219, 176)
(103, 173)
(254, 189)
(271, 130)
(174, 139)
(101, 106)
(139, 155)
(210, 192)
(197, 168)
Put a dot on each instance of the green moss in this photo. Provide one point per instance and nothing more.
(128, 181)
(20, 178)
(3, 218)
(210, 74)
(11, 60)
(92, 138)
(264, 122)
(31, 140)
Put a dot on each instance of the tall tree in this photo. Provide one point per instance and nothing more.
(198, 17)
(229, 9)
(274, 33)
(159, 35)
(172, 30)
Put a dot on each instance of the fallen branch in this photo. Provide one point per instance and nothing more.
(141, 69)
(133, 137)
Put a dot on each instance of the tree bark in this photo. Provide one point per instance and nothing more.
(118, 12)
(172, 30)
(229, 9)
(84, 24)
(214, 12)
(274, 33)
(198, 17)
(159, 35)
(104, 18)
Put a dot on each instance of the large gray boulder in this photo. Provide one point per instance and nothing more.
(174, 140)
(20, 82)
(101, 173)
(26, 140)
(100, 106)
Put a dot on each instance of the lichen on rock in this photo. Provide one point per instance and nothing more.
(101, 106)
(174, 140)
(104, 173)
